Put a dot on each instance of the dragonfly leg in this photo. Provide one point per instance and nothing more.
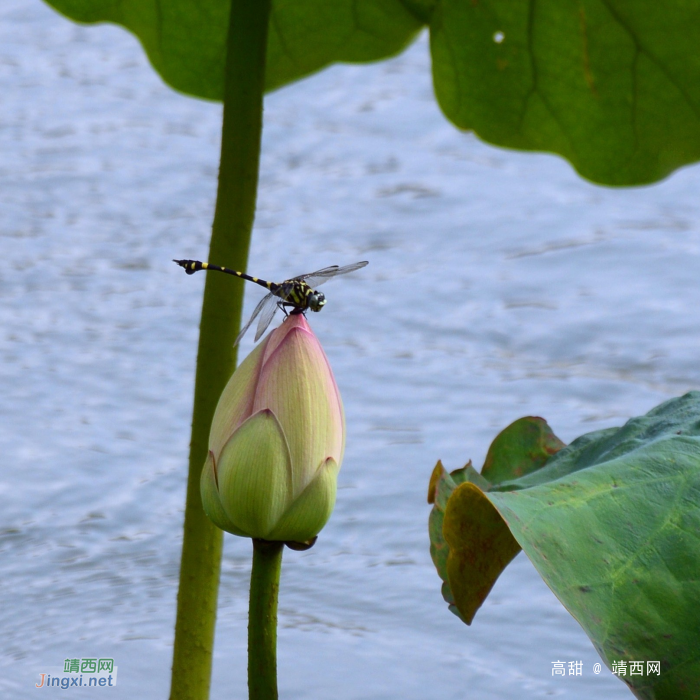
(294, 308)
(281, 305)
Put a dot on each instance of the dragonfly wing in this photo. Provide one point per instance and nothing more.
(267, 298)
(269, 308)
(330, 270)
(315, 279)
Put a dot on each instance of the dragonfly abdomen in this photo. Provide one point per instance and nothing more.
(192, 266)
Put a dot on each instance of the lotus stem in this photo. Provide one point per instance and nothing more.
(262, 620)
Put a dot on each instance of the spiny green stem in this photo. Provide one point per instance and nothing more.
(262, 620)
(221, 319)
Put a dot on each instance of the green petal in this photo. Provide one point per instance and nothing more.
(311, 510)
(254, 473)
(211, 501)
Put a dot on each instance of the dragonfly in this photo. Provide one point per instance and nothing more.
(298, 293)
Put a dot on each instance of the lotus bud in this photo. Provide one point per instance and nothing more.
(277, 440)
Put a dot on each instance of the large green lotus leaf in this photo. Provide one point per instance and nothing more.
(185, 40)
(611, 85)
(612, 524)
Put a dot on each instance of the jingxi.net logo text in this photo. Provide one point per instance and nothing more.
(77, 673)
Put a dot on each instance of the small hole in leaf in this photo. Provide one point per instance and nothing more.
(498, 37)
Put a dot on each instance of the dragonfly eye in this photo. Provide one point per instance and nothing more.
(316, 301)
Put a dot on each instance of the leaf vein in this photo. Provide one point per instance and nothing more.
(651, 56)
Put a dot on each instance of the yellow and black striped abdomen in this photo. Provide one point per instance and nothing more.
(192, 266)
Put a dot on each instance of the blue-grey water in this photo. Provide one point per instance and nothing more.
(500, 285)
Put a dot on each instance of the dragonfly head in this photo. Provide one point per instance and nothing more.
(316, 300)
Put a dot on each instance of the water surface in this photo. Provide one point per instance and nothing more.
(499, 285)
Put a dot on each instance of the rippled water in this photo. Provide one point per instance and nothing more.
(499, 285)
